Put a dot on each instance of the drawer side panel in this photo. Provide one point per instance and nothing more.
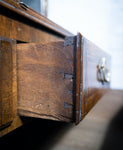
(45, 83)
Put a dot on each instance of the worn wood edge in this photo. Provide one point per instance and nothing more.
(38, 18)
(77, 77)
(17, 122)
(29, 113)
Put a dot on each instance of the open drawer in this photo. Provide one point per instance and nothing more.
(61, 80)
(46, 71)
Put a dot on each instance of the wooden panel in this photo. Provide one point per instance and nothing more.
(45, 84)
(6, 96)
(17, 30)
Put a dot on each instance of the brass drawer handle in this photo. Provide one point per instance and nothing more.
(23, 5)
(103, 72)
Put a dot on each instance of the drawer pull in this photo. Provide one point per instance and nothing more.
(23, 5)
(103, 72)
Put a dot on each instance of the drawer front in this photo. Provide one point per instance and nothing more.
(97, 79)
(92, 75)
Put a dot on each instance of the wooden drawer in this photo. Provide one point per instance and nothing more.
(60, 80)
(46, 71)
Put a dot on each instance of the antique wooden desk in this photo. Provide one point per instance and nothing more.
(45, 71)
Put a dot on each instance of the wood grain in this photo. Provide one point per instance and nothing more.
(34, 16)
(45, 80)
(15, 25)
(52, 76)
(18, 30)
(11, 118)
(6, 97)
